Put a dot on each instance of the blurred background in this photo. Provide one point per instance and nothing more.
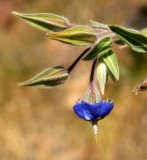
(39, 124)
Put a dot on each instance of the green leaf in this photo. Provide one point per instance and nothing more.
(99, 27)
(101, 75)
(44, 21)
(50, 77)
(144, 31)
(111, 62)
(103, 46)
(79, 35)
(97, 24)
(110, 74)
(119, 41)
(135, 40)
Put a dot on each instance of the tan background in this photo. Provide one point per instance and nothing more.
(40, 124)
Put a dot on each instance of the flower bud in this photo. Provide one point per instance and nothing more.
(44, 21)
(79, 35)
(50, 77)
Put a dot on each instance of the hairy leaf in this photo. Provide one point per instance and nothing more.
(101, 75)
(135, 40)
(99, 27)
(103, 46)
(98, 24)
(44, 21)
(109, 73)
(79, 35)
(50, 77)
(111, 62)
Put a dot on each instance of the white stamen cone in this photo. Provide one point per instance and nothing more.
(95, 129)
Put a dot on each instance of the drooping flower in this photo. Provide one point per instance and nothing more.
(93, 112)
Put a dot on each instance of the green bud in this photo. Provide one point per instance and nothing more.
(50, 77)
(79, 35)
(44, 21)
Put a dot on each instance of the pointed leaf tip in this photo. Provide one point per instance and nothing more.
(44, 21)
(14, 13)
(50, 77)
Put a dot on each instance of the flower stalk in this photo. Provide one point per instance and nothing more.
(92, 71)
(71, 67)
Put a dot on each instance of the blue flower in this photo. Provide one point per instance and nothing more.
(92, 112)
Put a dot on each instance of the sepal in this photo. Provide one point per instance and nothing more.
(92, 95)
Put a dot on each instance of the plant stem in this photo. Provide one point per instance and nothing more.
(71, 67)
(92, 71)
(94, 92)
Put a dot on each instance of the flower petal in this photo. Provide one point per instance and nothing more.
(101, 109)
(96, 109)
(82, 110)
(106, 108)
